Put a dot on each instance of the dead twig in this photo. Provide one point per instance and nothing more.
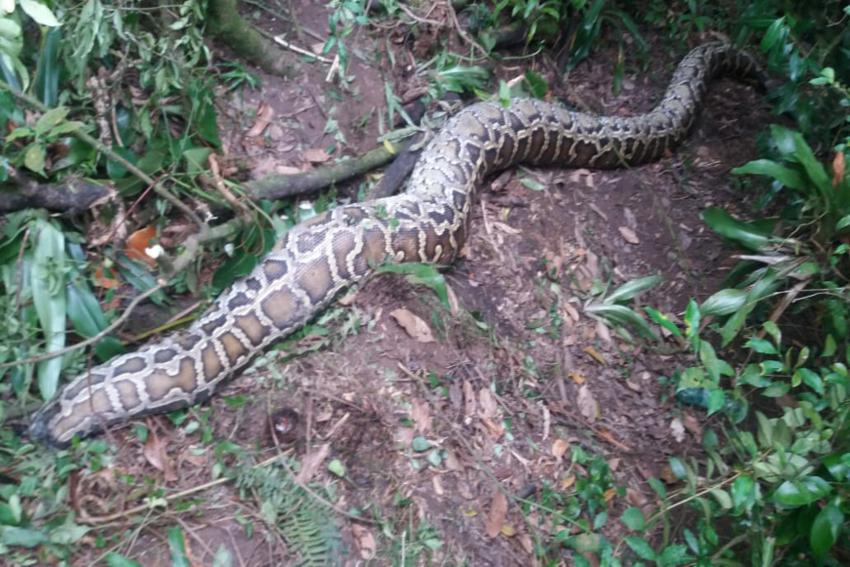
(300, 50)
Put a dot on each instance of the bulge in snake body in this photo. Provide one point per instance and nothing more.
(426, 223)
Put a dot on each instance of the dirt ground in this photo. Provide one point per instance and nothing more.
(507, 385)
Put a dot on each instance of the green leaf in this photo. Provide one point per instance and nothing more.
(801, 492)
(724, 302)
(825, 529)
(42, 15)
(50, 119)
(641, 548)
(842, 223)
(838, 466)
(48, 294)
(632, 288)
(773, 34)
(716, 401)
(811, 379)
(633, 519)
(115, 560)
(622, 315)
(23, 537)
(177, 546)
(336, 467)
(537, 85)
(674, 555)
(722, 498)
(420, 444)
(747, 236)
(68, 534)
(693, 317)
(47, 78)
(787, 177)
(662, 320)
(35, 157)
(743, 493)
(761, 346)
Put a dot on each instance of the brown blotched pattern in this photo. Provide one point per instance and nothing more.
(426, 223)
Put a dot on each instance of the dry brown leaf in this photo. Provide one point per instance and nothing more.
(692, 424)
(587, 404)
(365, 541)
(594, 354)
(567, 482)
(577, 377)
(487, 403)
(311, 463)
(315, 155)
(635, 497)
(838, 168)
(559, 448)
(437, 483)
(265, 113)
(495, 429)
(421, 415)
(104, 281)
(454, 304)
(452, 462)
(603, 333)
(287, 170)
(629, 235)
(470, 404)
(413, 325)
(138, 241)
(668, 476)
(610, 494)
(497, 514)
(156, 454)
(677, 429)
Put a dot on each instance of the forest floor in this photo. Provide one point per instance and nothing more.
(464, 434)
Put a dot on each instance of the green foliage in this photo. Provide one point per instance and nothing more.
(306, 523)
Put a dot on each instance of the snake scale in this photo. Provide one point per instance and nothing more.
(428, 222)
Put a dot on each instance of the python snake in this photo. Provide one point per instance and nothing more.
(428, 222)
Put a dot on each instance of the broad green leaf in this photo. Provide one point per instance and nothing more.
(420, 444)
(716, 401)
(50, 120)
(35, 157)
(47, 79)
(743, 493)
(39, 12)
(721, 222)
(801, 492)
(761, 346)
(336, 467)
(811, 379)
(708, 357)
(838, 466)
(177, 546)
(84, 310)
(724, 302)
(674, 555)
(632, 288)
(825, 529)
(68, 534)
(9, 28)
(842, 223)
(722, 498)
(693, 317)
(633, 519)
(814, 168)
(773, 34)
(23, 537)
(115, 560)
(48, 293)
(641, 548)
(662, 320)
(786, 176)
(622, 315)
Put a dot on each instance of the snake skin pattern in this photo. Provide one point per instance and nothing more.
(426, 223)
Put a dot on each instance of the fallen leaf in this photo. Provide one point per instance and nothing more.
(635, 497)
(677, 429)
(264, 116)
(315, 155)
(413, 325)
(667, 475)
(487, 403)
(287, 170)
(594, 354)
(610, 494)
(587, 404)
(495, 429)
(156, 453)
(421, 415)
(454, 305)
(438, 485)
(559, 448)
(567, 482)
(311, 463)
(452, 463)
(577, 378)
(497, 514)
(137, 242)
(104, 281)
(365, 541)
(603, 333)
(692, 424)
(838, 168)
(628, 235)
(470, 404)
(508, 530)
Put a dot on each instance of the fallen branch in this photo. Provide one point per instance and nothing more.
(73, 195)
(282, 186)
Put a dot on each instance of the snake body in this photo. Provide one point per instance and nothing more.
(426, 223)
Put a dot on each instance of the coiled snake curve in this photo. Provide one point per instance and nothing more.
(426, 223)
